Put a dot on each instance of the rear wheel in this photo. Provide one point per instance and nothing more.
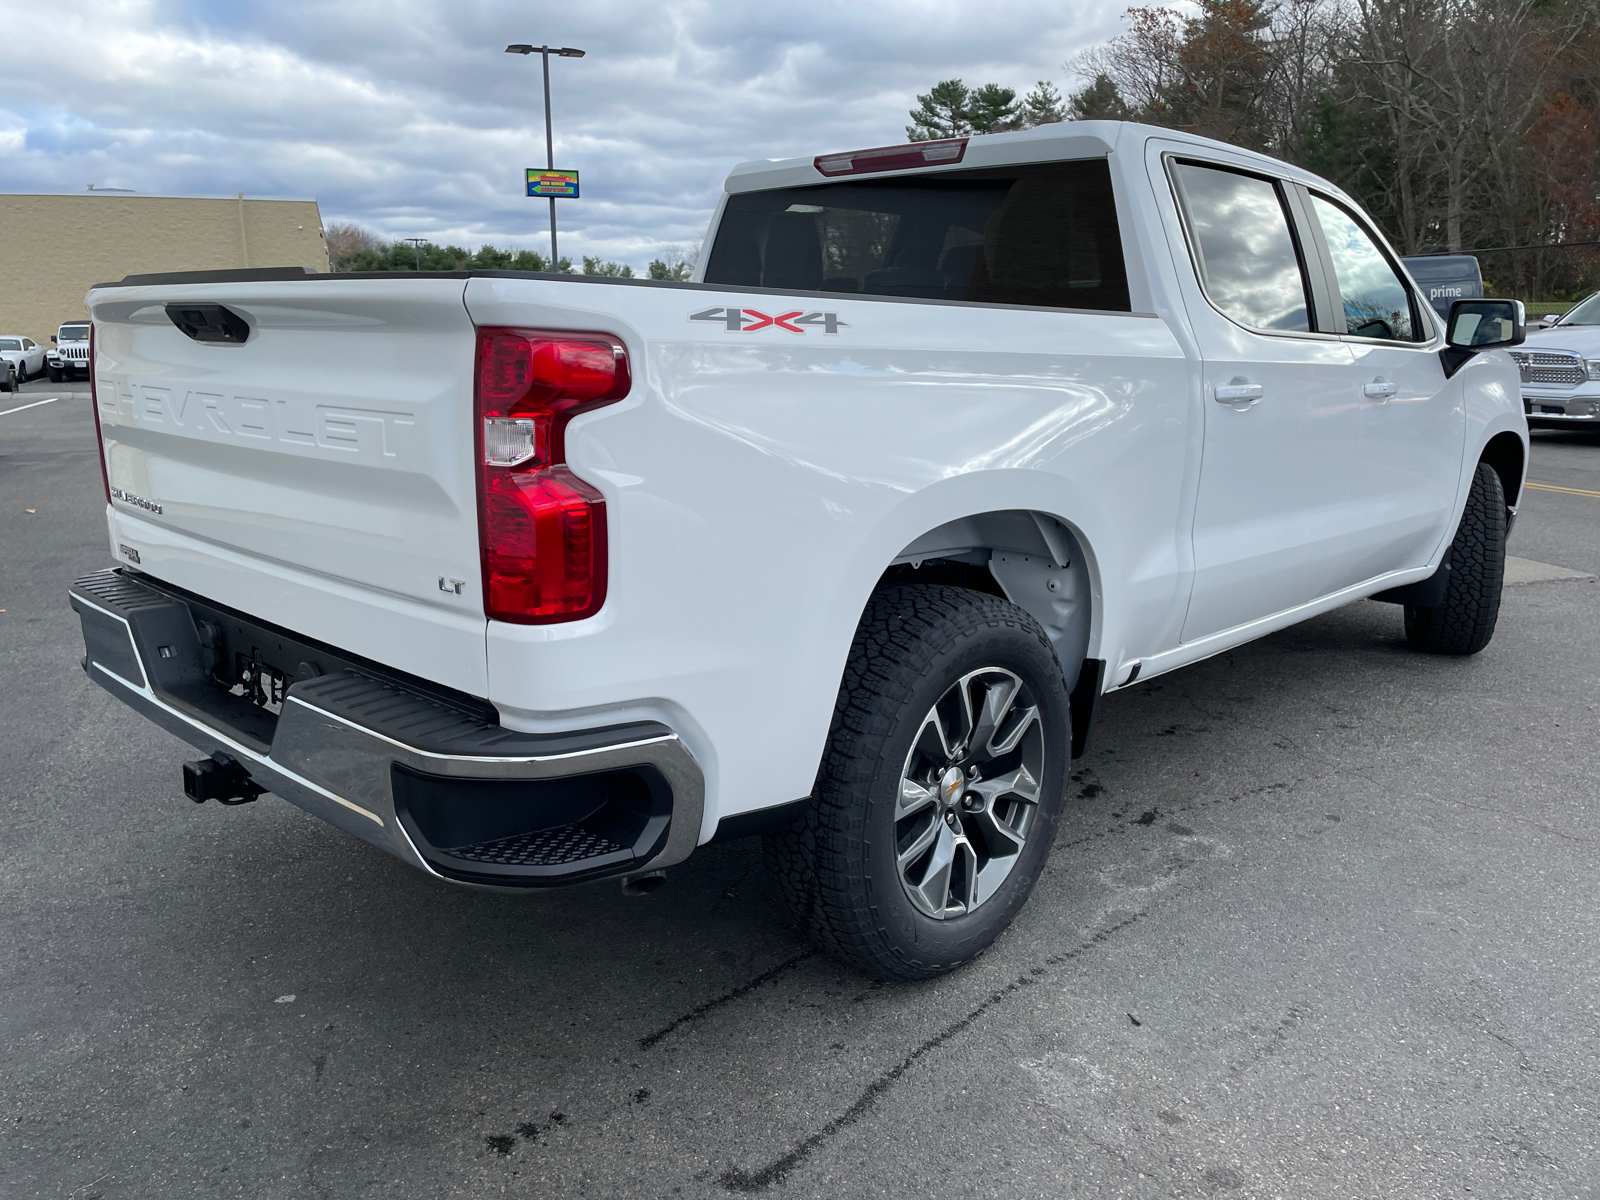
(1465, 622)
(940, 788)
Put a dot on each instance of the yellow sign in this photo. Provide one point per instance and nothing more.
(552, 183)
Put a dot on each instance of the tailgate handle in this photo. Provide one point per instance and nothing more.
(209, 323)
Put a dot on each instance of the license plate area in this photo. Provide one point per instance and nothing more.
(261, 683)
(246, 668)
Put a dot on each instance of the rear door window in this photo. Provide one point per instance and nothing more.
(1037, 234)
(1377, 303)
(1243, 251)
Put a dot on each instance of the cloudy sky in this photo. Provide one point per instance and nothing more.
(407, 117)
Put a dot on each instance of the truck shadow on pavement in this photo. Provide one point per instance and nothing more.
(282, 968)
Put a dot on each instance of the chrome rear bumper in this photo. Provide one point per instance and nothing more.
(438, 786)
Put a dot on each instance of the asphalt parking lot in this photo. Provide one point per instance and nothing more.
(1321, 921)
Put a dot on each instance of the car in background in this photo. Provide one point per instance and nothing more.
(25, 354)
(1446, 278)
(70, 358)
(1560, 367)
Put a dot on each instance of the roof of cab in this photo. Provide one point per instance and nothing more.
(1043, 143)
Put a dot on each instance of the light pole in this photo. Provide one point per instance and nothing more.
(416, 244)
(544, 52)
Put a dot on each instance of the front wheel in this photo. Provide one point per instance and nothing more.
(940, 788)
(54, 374)
(1465, 622)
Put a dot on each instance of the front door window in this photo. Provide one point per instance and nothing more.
(1376, 302)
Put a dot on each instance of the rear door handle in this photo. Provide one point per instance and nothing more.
(1379, 390)
(1232, 393)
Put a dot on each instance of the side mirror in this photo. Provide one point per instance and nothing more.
(1486, 324)
(52, 339)
(1478, 325)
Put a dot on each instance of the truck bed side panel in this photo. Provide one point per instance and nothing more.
(758, 484)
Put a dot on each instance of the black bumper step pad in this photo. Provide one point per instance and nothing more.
(547, 848)
(425, 724)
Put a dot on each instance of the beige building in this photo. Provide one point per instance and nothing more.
(53, 249)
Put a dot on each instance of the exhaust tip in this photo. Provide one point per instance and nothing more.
(643, 885)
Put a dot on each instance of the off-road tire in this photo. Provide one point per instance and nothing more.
(54, 373)
(835, 865)
(1465, 622)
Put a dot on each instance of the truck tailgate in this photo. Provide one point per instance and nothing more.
(318, 475)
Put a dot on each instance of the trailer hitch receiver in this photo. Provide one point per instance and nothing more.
(219, 778)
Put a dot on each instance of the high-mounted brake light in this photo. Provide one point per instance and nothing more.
(542, 530)
(893, 158)
(94, 407)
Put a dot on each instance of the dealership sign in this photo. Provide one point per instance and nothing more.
(543, 182)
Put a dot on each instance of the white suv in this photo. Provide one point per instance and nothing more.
(70, 356)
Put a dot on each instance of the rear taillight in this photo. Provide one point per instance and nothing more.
(892, 158)
(94, 408)
(542, 529)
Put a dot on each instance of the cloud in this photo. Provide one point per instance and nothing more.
(409, 118)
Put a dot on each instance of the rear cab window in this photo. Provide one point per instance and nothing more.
(1039, 234)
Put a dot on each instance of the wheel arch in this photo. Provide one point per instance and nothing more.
(1508, 456)
(1037, 560)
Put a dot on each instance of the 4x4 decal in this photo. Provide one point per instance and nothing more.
(748, 320)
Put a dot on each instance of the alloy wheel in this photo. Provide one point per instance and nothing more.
(969, 793)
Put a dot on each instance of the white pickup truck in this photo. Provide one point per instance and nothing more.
(533, 580)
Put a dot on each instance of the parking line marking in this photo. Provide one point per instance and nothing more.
(56, 397)
(1550, 487)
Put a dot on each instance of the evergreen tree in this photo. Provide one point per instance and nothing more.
(677, 269)
(942, 113)
(1042, 106)
(1098, 101)
(992, 109)
(611, 270)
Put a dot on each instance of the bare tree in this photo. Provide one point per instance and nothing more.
(1458, 82)
(1141, 64)
(1306, 39)
(345, 239)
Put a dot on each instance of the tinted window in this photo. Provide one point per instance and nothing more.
(1585, 313)
(1041, 234)
(10, 344)
(1243, 251)
(1376, 303)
